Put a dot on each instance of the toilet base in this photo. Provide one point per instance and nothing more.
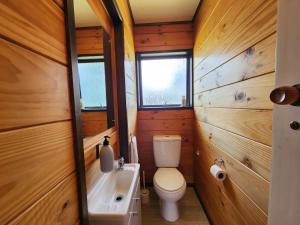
(169, 210)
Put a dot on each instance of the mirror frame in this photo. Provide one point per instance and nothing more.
(76, 112)
(110, 113)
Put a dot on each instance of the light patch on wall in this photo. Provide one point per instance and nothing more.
(84, 15)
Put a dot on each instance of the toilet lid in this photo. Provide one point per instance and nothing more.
(169, 179)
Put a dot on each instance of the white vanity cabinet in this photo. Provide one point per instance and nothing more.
(135, 217)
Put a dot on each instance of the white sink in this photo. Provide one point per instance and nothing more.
(111, 196)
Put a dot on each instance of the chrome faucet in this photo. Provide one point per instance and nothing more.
(121, 163)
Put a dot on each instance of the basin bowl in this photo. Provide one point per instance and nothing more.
(109, 200)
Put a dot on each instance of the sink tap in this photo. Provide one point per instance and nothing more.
(121, 163)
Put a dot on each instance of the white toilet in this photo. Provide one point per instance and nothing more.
(168, 182)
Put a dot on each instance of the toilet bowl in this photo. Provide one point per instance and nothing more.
(169, 183)
(170, 186)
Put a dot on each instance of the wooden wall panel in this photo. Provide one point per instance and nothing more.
(254, 155)
(249, 22)
(252, 62)
(38, 25)
(250, 94)
(163, 37)
(59, 206)
(234, 58)
(159, 122)
(26, 156)
(129, 67)
(89, 41)
(33, 89)
(37, 165)
(93, 123)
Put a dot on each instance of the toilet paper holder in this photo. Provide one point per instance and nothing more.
(219, 162)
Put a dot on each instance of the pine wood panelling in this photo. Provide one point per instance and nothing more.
(60, 3)
(159, 122)
(125, 12)
(210, 192)
(22, 23)
(256, 60)
(252, 184)
(33, 89)
(166, 124)
(252, 94)
(129, 67)
(37, 165)
(163, 37)
(101, 13)
(93, 123)
(165, 114)
(252, 154)
(26, 156)
(163, 28)
(245, 24)
(89, 41)
(234, 64)
(232, 205)
(207, 9)
(253, 124)
(59, 206)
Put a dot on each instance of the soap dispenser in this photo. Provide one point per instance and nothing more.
(106, 156)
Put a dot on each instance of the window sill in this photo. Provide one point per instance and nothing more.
(93, 110)
(164, 108)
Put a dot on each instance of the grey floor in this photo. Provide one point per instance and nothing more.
(191, 211)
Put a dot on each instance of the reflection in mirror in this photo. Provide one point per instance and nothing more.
(94, 68)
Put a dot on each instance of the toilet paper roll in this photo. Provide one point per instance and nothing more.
(218, 173)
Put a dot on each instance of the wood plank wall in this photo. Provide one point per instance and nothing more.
(37, 166)
(158, 122)
(89, 40)
(93, 123)
(234, 58)
(130, 73)
(163, 37)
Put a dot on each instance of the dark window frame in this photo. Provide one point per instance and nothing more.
(187, 54)
(92, 109)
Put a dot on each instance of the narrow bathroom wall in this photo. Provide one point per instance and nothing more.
(234, 57)
(129, 67)
(36, 153)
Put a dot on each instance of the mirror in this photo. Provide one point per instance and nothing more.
(95, 71)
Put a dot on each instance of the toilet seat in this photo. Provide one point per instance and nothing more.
(169, 179)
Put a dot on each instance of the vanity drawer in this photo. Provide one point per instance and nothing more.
(135, 207)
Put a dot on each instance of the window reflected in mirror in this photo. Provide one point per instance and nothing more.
(92, 82)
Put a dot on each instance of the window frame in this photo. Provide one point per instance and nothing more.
(91, 109)
(186, 54)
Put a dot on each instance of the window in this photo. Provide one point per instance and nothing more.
(164, 79)
(92, 82)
